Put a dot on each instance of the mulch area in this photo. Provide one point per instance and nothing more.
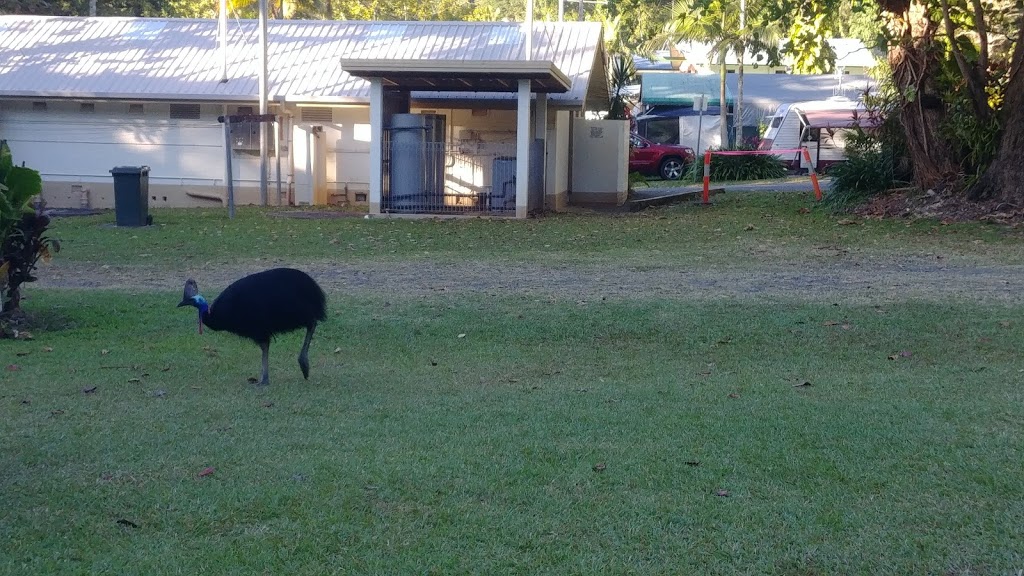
(947, 208)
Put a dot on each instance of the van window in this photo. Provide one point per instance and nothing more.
(660, 130)
(777, 121)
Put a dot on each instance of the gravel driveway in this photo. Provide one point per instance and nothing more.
(852, 280)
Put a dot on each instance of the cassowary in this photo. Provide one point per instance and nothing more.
(262, 305)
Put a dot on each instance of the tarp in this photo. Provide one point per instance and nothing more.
(763, 92)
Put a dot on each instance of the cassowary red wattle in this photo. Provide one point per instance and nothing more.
(261, 306)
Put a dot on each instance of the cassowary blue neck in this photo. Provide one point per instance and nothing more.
(204, 311)
(202, 305)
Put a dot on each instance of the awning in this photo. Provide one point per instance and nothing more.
(460, 76)
(834, 118)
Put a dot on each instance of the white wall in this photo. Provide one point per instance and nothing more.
(600, 157)
(76, 149)
(69, 147)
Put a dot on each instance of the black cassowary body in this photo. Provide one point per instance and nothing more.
(261, 306)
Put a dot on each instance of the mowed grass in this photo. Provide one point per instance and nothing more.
(735, 231)
(516, 434)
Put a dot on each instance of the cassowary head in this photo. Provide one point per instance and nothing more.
(191, 297)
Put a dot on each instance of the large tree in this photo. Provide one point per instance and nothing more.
(1004, 178)
(915, 57)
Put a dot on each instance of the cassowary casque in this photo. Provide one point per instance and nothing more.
(261, 306)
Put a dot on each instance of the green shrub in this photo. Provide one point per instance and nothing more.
(876, 160)
(868, 171)
(23, 240)
(738, 168)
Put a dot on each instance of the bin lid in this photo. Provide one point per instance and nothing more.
(129, 170)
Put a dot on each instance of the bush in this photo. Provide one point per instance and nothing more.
(23, 240)
(868, 171)
(738, 168)
(876, 160)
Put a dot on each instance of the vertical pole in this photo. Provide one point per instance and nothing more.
(263, 102)
(229, 177)
(222, 29)
(814, 175)
(579, 15)
(529, 30)
(738, 111)
(277, 149)
(706, 197)
(561, 10)
(376, 144)
(523, 149)
(700, 119)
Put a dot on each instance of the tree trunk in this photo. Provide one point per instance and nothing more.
(1004, 178)
(723, 107)
(738, 110)
(914, 68)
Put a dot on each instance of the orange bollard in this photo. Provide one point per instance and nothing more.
(814, 175)
(707, 175)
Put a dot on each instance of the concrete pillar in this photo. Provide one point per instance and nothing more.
(376, 144)
(523, 149)
(540, 132)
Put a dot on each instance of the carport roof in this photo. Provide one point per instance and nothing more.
(463, 76)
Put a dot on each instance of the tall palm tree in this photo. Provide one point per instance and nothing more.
(717, 23)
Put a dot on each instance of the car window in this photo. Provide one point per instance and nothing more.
(663, 130)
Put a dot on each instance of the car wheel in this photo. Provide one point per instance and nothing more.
(672, 168)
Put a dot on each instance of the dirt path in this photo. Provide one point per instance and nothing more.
(864, 280)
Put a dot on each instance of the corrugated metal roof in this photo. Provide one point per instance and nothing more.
(179, 59)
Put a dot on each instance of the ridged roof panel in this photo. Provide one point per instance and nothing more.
(170, 59)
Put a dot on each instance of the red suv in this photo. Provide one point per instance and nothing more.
(669, 161)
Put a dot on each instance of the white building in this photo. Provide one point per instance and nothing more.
(79, 96)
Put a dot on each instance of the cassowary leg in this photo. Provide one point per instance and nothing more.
(265, 348)
(304, 354)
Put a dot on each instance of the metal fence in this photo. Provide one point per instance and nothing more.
(445, 178)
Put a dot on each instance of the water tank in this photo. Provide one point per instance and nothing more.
(503, 183)
(406, 175)
(416, 178)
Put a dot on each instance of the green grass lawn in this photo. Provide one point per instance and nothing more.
(517, 434)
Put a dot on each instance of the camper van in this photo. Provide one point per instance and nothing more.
(820, 125)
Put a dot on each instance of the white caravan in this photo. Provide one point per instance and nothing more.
(819, 125)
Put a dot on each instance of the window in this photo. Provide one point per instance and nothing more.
(136, 109)
(87, 107)
(245, 136)
(39, 106)
(660, 130)
(184, 111)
